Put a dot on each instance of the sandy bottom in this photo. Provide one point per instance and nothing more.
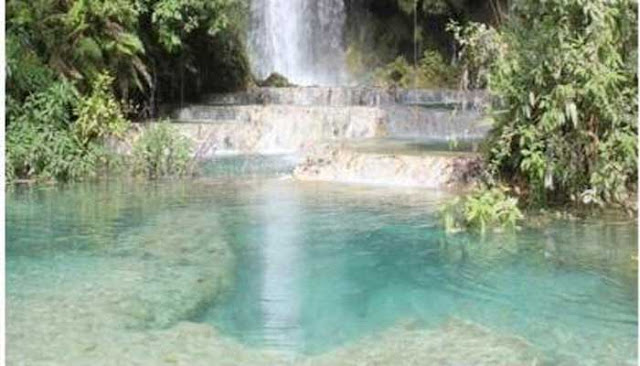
(131, 305)
(75, 341)
(137, 313)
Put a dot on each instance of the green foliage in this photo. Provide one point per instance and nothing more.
(135, 41)
(482, 209)
(82, 38)
(39, 144)
(435, 72)
(61, 104)
(55, 134)
(103, 36)
(480, 47)
(174, 20)
(52, 106)
(397, 73)
(194, 47)
(161, 152)
(99, 114)
(491, 207)
(26, 72)
(566, 128)
(43, 152)
(432, 72)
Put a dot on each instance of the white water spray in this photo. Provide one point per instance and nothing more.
(300, 39)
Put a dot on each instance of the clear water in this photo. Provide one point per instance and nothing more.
(254, 166)
(413, 146)
(316, 267)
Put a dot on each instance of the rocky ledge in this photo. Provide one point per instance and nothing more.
(278, 128)
(429, 169)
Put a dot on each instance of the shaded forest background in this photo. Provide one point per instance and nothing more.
(169, 51)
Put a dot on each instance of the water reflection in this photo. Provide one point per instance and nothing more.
(281, 259)
(336, 264)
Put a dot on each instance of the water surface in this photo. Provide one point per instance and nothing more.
(310, 268)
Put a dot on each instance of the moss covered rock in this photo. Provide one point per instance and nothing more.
(275, 80)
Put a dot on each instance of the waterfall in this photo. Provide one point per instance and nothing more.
(300, 39)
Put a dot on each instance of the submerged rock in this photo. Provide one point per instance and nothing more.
(456, 342)
(95, 309)
(195, 269)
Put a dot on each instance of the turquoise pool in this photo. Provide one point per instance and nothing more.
(263, 267)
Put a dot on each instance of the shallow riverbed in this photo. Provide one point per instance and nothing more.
(260, 269)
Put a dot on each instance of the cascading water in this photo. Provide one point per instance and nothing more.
(300, 39)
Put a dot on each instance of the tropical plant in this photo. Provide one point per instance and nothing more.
(161, 152)
(397, 73)
(80, 39)
(36, 134)
(174, 20)
(486, 207)
(431, 72)
(135, 41)
(435, 72)
(55, 134)
(102, 35)
(98, 114)
(480, 46)
(45, 152)
(566, 125)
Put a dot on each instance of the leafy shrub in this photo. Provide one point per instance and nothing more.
(47, 140)
(397, 73)
(99, 114)
(160, 152)
(435, 72)
(566, 128)
(481, 209)
(432, 72)
(38, 140)
(61, 103)
(44, 152)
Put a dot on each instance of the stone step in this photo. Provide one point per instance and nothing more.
(248, 113)
(286, 120)
(435, 123)
(206, 113)
(350, 96)
(398, 121)
(429, 170)
(282, 129)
